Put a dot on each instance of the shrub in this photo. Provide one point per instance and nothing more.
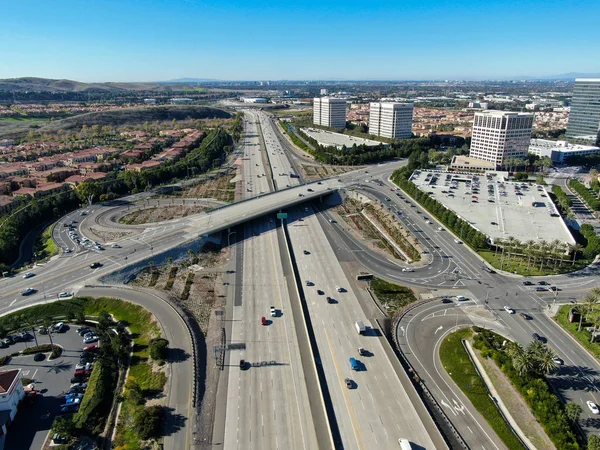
(56, 352)
(159, 349)
(4, 360)
(148, 422)
(39, 349)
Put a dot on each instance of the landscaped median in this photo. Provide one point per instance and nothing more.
(127, 332)
(525, 368)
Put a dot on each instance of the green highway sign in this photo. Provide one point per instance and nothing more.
(282, 215)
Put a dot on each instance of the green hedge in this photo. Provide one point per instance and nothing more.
(546, 407)
(44, 348)
(98, 398)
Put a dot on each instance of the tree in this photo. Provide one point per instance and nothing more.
(87, 191)
(159, 349)
(64, 426)
(573, 411)
(593, 442)
(148, 422)
(104, 320)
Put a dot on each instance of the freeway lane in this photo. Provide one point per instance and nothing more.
(267, 405)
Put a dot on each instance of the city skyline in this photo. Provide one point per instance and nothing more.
(141, 41)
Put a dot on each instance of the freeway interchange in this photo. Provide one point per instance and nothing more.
(291, 389)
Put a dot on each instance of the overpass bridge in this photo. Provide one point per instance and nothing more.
(228, 216)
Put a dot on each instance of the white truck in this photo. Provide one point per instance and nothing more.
(360, 327)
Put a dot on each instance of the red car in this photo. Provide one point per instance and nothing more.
(82, 373)
(263, 321)
(91, 348)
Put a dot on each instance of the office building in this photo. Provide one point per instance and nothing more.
(329, 112)
(584, 118)
(391, 120)
(500, 135)
(560, 151)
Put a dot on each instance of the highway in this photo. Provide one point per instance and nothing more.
(267, 404)
(271, 406)
(376, 411)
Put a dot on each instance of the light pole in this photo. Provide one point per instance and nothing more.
(228, 238)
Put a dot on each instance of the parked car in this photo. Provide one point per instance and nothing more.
(90, 339)
(593, 407)
(82, 373)
(460, 298)
(71, 408)
(91, 348)
(83, 330)
(558, 361)
(527, 283)
(543, 283)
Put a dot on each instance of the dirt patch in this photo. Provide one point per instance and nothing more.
(516, 405)
(108, 236)
(351, 211)
(219, 187)
(159, 214)
(206, 294)
(313, 172)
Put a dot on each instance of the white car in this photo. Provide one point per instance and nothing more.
(86, 366)
(509, 310)
(593, 407)
(273, 311)
(29, 275)
(407, 269)
(67, 251)
(339, 289)
(65, 295)
(460, 298)
(440, 229)
(457, 241)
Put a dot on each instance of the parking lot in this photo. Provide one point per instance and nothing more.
(495, 207)
(52, 380)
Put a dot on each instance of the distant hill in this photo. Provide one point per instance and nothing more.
(191, 80)
(33, 84)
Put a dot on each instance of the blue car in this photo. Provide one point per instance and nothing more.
(70, 408)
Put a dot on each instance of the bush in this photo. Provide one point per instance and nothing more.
(98, 397)
(56, 352)
(159, 349)
(44, 348)
(148, 422)
(4, 360)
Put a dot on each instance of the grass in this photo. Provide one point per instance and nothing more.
(520, 266)
(460, 368)
(582, 336)
(391, 295)
(50, 247)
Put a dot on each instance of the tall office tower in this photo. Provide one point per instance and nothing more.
(391, 120)
(499, 135)
(329, 112)
(584, 118)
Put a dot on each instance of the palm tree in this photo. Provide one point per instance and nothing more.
(587, 304)
(594, 318)
(545, 360)
(529, 250)
(575, 249)
(48, 325)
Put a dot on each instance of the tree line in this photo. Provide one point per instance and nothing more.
(587, 196)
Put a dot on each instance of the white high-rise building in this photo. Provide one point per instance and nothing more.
(391, 120)
(498, 135)
(329, 112)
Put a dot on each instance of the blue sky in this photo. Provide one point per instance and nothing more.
(150, 40)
